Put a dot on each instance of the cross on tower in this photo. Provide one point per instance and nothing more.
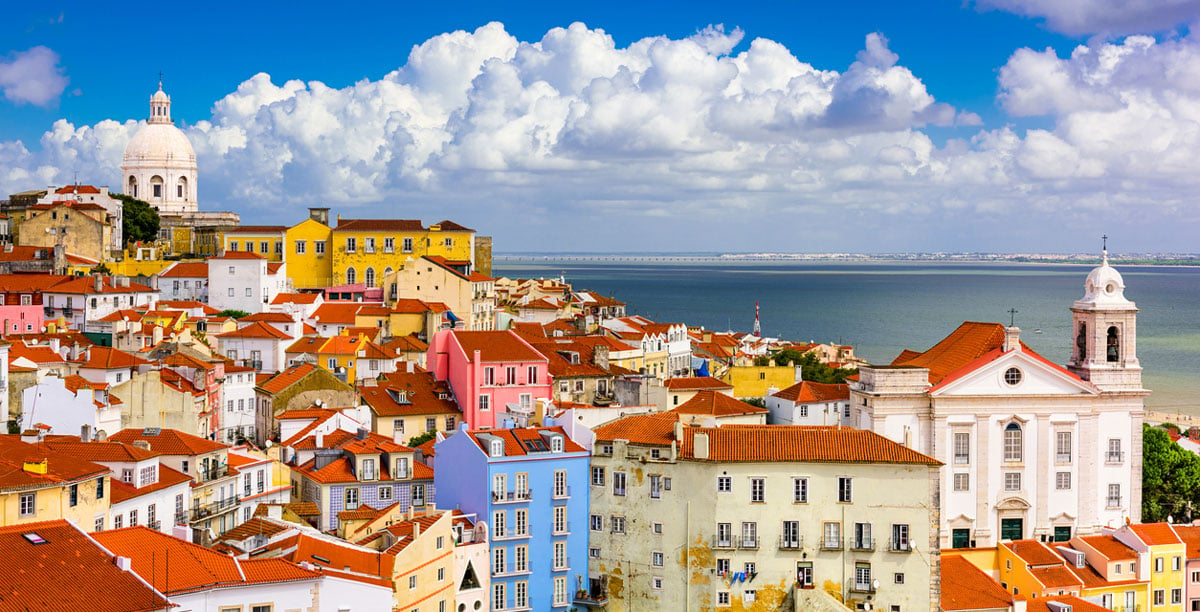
(1012, 317)
(160, 79)
(1105, 239)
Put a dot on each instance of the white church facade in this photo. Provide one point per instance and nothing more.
(159, 165)
(1031, 449)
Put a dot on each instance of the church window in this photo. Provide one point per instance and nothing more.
(1063, 447)
(1114, 344)
(351, 276)
(369, 277)
(1081, 341)
(962, 448)
(156, 186)
(182, 188)
(1012, 376)
(1012, 481)
(1013, 442)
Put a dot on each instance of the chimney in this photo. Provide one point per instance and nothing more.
(678, 430)
(320, 439)
(123, 563)
(85, 433)
(142, 444)
(97, 283)
(700, 446)
(600, 357)
(1012, 339)
(796, 377)
(416, 530)
(410, 365)
(275, 511)
(362, 433)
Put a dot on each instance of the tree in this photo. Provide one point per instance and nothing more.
(139, 219)
(811, 367)
(421, 438)
(233, 313)
(1170, 477)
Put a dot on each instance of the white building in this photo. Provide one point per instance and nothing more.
(257, 345)
(237, 405)
(184, 280)
(86, 299)
(66, 405)
(159, 165)
(239, 280)
(1032, 449)
(810, 403)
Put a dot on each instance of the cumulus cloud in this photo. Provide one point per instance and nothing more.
(32, 77)
(1106, 17)
(664, 140)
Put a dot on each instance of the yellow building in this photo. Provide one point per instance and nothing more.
(40, 484)
(1159, 547)
(469, 296)
(306, 245)
(83, 229)
(367, 250)
(760, 381)
(266, 240)
(423, 573)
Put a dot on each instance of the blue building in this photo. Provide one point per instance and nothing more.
(531, 485)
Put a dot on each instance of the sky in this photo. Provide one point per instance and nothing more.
(959, 125)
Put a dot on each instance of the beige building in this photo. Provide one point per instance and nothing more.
(469, 295)
(759, 517)
(83, 229)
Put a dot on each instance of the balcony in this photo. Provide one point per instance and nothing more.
(591, 599)
(1114, 457)
(831, 543)
(863, 587)
(181, 518)
(1113, 502)
(795, 542)
(214, 509)
(155, 525)
(510, 534)
(564, 567)
(724, 542)
(563, 492)
(213, 473)
(862, 543)
(748, 542)
(511, 497)
(962, 459)
(900, 545)
(1063, 457)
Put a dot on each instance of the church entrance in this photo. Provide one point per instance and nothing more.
(1012, 528)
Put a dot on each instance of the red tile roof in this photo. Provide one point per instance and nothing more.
(496, 346)
(966, 587)
(85, 285)
(1040, 604)
(106, 358)
(1156, 534)
(77, 189)
(167, 477)
(169, 441)
(808, 392)
(449, 226)
(268, 317)
(296, 298)
(1055, 577)
(411, 306)
(514, 438)
(1190, 535)
(1033, 552)
(379, 225)
(186, 305)
(288, 377)
(1111, 547)
(816, 444)
(66, 573)
(258, 329)
(258, 229)
(420, 391)
(715, 403)
(61, 467)
(238, 255)
(340, 313)
(651, 429)
(699, 382)
(186, 269)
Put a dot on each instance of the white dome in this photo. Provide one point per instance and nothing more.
(1104, 287)
(160, 96)
(159, 142)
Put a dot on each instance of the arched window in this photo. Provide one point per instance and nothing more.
(369, 277)
(133, 187)
(1014, 442)
(351, 276)
(156, 186)
(181, 189)
(387, 271)
(1114, 344)
(1081, 341)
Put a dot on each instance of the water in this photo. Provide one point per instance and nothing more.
(882, 308)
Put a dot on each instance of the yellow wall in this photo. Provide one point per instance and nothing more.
(423, 559)
(427, 242)
(1168, 578)
(754, 381)
(414, 424)
(309, 269)
(1118, 594)
(53, 503)
(132, 267)
(80, 233)
(1015, 576)
(271, 238)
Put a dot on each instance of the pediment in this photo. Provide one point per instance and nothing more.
(1013, 503)
(1037, 377)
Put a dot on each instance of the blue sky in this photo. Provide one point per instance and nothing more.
(868, 126)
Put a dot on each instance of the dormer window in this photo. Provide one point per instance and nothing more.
(556, 444)
(497, 448)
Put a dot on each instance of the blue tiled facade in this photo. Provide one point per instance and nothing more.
(368, 495)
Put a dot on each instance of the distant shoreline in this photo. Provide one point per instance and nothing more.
(1148, 260)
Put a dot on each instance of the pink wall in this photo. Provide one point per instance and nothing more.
(447, 360)
(22, 319)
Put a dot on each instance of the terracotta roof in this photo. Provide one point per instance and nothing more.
(85, 285)
(651, 429)
(307, 344)
(715, 403)
(808, 392)
(186, 269)
(341, 313)
(1057, 576)
(1077, 605)
(699, 382)
(379, 225)
(77, 189)
(347, 559)
(406, 344)
(1156, 534)
(257, 229)
(253, 527)
(449, 226)
(966, 587)
(515, 440)
(296, 298)
(167, 477)
(1111, 547)
(1190, 535)
(258, 329)
(420, 391)
(238, 255)
(106, 358)
(98, 450)
(37, 354)
(411, 306)
(187, 305)
(61, 467)
(67, 571)
(496, 346)
(1033, 552)
(169, 441)
(287, 378)
(267, 317)
(306, 413)
(816, 444)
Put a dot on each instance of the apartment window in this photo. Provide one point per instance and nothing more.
(655, 487)
(233, 245)
(430, 423)
(617, 524)
(560, 483)
(1114, 496)
(1159, 597)
(73, 495)
(862, 577)
(401, 467)
(100, 487)
(618, 480)
(560, 591)
(521, 558)
(1012, 481)
(368, 245)
(1062, 447)
(862, 536)
(99, 526)
(1062, 481)
(398, 425)
(498, 560)
(532, 373)
(319, 247)
(418, 495)
(898, 578)
(1176, 596)
(264, 247)
(118, 521)
(724, 484)
(28, 504)
(261, 608)
(1013, 443)
(597, 476)
(722, 567)
(351, 245)
(962, 482)
(749, 534)
(133, 518)
(845, 489)
(757, 490)
(799, 490)
(723, 598)
(351, 498)
(521, 520)
(560, 519)
(1114, 454)
(408, 245)
(594, 553)
(597, 522)
(832, 533)
(484, 403)
(498, 598)
(900, 537)
(510, 375)
(1176, 564)
(412, 582)
(1158, 565)
(301, 247)
(389, 245)
(962, 448)
(791, 534)
(725, 535)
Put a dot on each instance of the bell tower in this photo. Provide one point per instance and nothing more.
(1104, 332)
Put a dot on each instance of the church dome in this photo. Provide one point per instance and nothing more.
(159, 142)
(1104, 286)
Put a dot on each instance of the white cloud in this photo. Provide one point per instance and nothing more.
(668, 141)
(1106, 17)
(32, 77)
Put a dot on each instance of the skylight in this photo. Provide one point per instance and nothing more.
(35, 538)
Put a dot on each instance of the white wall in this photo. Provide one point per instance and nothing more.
(245, 279)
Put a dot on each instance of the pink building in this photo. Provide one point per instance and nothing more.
(21, 304)
(490, 373)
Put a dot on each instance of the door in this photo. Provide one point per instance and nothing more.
(1012, 529)
(960, 538)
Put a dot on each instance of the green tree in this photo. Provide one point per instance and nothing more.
(421, 438)
(233, 313)
(811, 368)
(139, 219)
(1170, 477)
